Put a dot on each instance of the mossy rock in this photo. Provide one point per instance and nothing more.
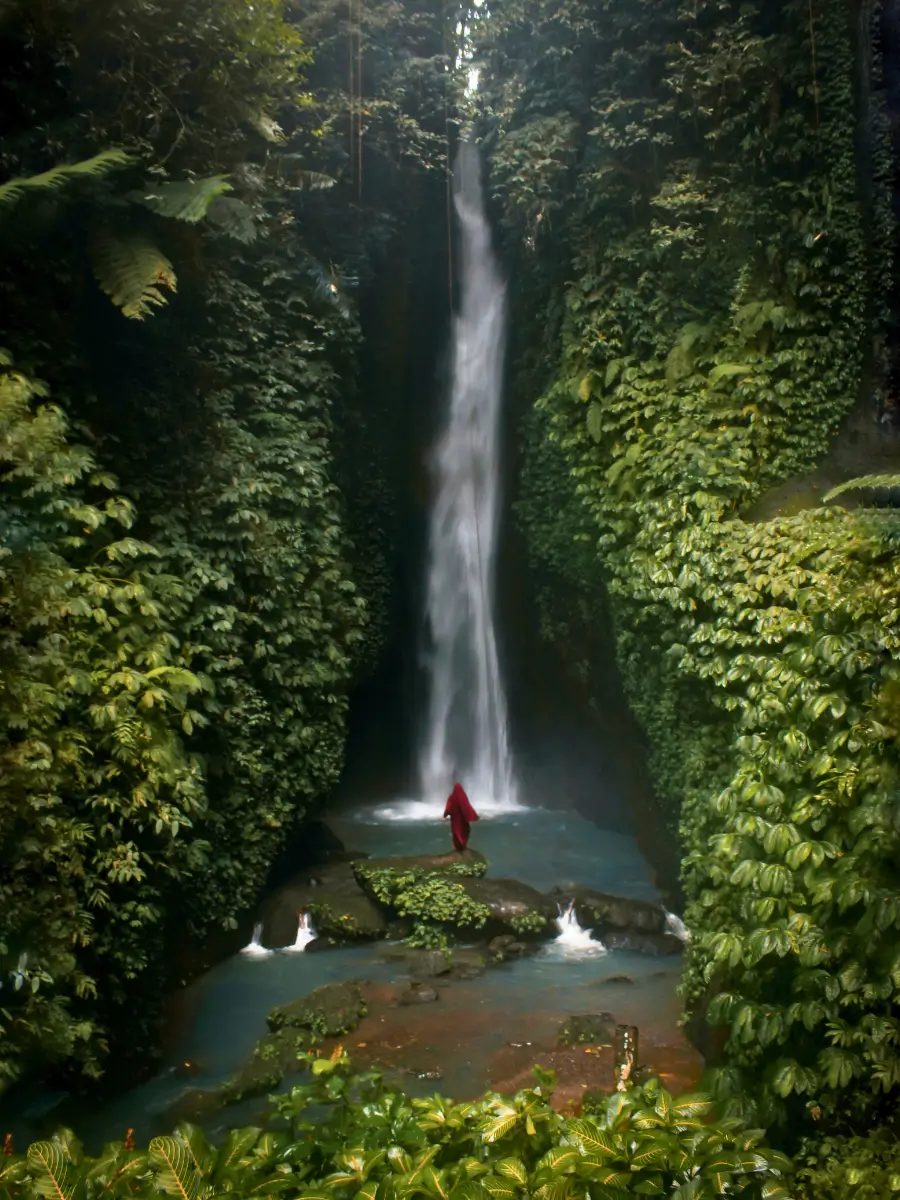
(339, 908)
(512, 906)
(274, 1056)
(253, 1079)
(329, 1011)
(467, 862)
(432, 898)
(602, 913)
(595, 1029)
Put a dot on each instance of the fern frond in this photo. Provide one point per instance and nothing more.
(863, 481)
(132, 272)
(233, 217)
(91, 168)
(265, 125)
(185, 201)
(289, 170)
(311, 181)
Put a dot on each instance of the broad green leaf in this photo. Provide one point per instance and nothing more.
(512, 1168)
(52, 1171)
(174, 1163)
(593, 1139)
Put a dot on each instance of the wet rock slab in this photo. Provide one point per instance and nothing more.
(510, 900)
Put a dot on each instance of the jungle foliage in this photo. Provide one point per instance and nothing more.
(352, 1135)
(680, 191)
(193, 564)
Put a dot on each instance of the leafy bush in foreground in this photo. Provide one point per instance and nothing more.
(866, 1168)
(352, 1135)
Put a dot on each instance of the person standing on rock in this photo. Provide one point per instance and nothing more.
(461, 813)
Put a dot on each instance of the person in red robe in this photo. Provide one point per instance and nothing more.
(460, 811)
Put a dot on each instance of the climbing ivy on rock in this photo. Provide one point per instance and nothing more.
(99, 795)
(182, 242)
(713, 338)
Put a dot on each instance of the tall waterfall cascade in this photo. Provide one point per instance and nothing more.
(467, 733)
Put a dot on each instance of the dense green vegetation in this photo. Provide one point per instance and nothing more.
(196, 534)
(682, 192)
(352, 1135)
(194, 528)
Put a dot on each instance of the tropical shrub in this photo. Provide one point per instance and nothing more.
(353, 1135)
(867, 1168)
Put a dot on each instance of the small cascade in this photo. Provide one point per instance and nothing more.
(676, 926)
(572, 939)
(305, 935)
(255, 948)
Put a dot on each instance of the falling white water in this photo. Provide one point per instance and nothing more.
(255, 948)
(467, 737)
(305, 935)
(574, 941)
(675, 925)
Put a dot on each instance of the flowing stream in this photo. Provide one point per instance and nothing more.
(466, 736)
(486, 1031)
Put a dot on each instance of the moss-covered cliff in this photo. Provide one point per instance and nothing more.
(703, 248)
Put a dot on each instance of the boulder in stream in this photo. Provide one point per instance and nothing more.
(642, 943)
(602, 912)
(417, 993)
(595, 1029)
(329, 1011)
(512, 905)
(338, 907)
(274, 1055)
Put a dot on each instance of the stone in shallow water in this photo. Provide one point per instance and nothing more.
(596, 1029)
(417, 994)
(506, 946)
(616, 979)
(643, 943)
(329, 1011)
(428, 963)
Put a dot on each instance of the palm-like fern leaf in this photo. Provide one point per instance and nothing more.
(174, 1162)
(188, 200)
(863, 481)
(91, 168)
(132, 272)
(51, 1169)
(233, 217)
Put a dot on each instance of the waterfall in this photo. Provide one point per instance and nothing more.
(572, 939)
(305, 935)
(255, 948)
(466, 737)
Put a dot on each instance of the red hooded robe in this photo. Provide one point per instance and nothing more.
(460, 812)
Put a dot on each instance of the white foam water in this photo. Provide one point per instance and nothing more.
(430, 810)
(676, 926)
(255, 948)
(466, 737)
(305, 935)
(572, 940)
